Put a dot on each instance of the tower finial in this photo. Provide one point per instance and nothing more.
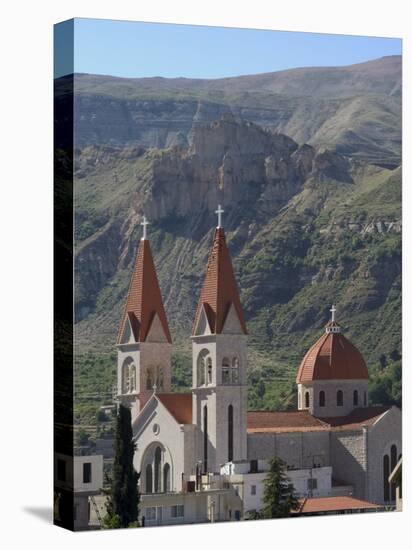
(219, 213)
(332, 326)
(144, 223)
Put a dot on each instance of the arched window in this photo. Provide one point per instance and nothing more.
(321, 398)
(149, 379)
(205, 438)
(157, 469)
(394, 456)
(166, 477)
(159, 378)
(126, 376)
(339, 398)
(307, 400)
(201, 367)
(355, 398)
(225, 371)
(209, 370)
(132, 375)
(385, 478)
(235, 370)
(364, 398)
(230, 432)
(149, 479)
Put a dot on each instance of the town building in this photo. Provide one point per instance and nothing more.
(202, 456)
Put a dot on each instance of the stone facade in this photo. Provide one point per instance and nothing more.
(330, 388)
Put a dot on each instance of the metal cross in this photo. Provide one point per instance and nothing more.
(219, 213)
(145, 223)
(333, 311)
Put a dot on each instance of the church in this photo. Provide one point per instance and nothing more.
(202, 456)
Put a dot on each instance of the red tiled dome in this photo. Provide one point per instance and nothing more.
(332, 357)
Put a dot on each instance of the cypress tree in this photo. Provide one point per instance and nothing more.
(279, 496)
(123, 502)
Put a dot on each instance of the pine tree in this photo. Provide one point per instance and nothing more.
(122, 506)
(279, 497)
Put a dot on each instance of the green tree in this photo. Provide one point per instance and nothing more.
(123, 499)
(279, 495)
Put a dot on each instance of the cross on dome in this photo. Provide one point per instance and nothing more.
(144, 223)
(332, 326)
(219, 213)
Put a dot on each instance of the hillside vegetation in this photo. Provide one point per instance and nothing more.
(307, 225)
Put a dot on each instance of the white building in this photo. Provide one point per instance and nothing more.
(201, 454)
(77, 479)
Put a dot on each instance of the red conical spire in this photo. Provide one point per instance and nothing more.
(219, 290)
(144, 299)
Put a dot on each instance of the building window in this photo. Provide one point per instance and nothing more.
(253, 466)
(61, 469)
(307, 400)
(230, 432)
(253, 489)
(87, 472)
(150, 513)
(132, 378)
(355, 398)
(321, 398)
(205, 439)
(149, 479)
(159, 378)
(225, 371)
(177, 511)
(235, 371)
(394, 455)
(312, 483)
(209, 370)
(386, 472)
(202, 363)
(149, 379)
(339, 398)
(166, 478)
(126, 376)
(157, 469)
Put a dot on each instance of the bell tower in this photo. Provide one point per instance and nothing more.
(219, 362)
(144, 342)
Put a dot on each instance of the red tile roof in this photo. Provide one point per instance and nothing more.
(334, 504)
(179, 405)
(303, 421)
(144, 299)
(332, 357)
(356, 419)
(219, 288)
(283, 421)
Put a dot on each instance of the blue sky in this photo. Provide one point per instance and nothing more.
(132, 49)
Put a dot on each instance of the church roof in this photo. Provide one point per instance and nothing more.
(303, 421)
(283, 421)
(333, 504)
(178, 404)
(144, 299)
(219, 289)
(332, 357)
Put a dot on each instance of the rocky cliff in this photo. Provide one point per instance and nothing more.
(306, 227)
(355, 110)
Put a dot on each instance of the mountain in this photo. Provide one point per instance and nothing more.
(307, 227)
(307, 166)
(354, 110)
